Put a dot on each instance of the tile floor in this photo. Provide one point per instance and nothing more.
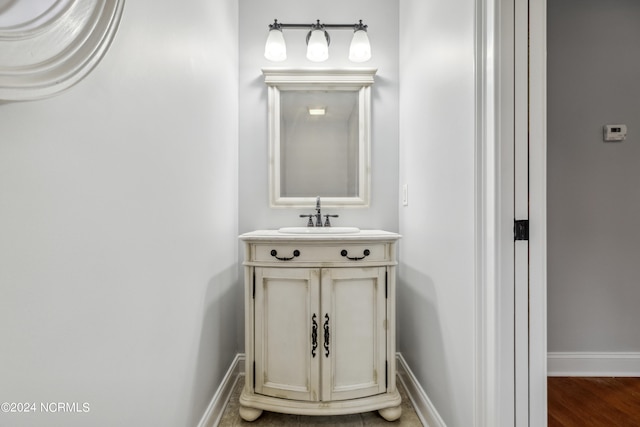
(231, 418)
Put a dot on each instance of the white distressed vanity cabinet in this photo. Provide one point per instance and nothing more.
(320, 324)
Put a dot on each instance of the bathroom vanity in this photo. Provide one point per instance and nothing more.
(320, 322)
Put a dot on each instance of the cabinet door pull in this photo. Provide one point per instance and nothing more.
(274, 254)
(314, 335)
(326, 334)
(366, 253)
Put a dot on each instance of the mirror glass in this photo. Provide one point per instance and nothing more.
(319, 128)
(319, 137)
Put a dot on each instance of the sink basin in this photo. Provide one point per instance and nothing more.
(319, 230)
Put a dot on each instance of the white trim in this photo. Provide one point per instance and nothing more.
(305, 77)
(485, 400)
(521, 209)
(425, 410)
(216, 407)
(494, 342)
(594, 364)
(427, 413)
(504, 296)
(495, 302)
(537, 213)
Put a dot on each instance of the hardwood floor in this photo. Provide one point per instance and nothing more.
(593, 402)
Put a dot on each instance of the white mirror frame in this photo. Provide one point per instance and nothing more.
(359, 80)
(54, 50)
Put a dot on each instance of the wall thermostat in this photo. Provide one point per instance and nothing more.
(615, 133)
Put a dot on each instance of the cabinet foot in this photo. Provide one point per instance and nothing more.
(391, 414)
(249, 414)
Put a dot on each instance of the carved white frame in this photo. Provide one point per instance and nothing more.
(52, 52)
(359, 80)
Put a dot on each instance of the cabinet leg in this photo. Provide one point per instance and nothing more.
(249, 414)
(391, 414)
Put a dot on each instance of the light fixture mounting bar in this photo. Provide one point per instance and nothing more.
(277, 24)
(307, 26)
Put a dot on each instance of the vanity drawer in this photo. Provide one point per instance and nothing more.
(302, 253)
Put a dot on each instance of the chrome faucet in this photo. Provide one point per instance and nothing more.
(318, 213)
(318, 216)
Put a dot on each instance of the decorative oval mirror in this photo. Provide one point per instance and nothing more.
(319, 136)
(46, 46)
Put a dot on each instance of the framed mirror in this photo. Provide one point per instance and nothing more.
(319, 136)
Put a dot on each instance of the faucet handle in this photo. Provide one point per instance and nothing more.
(326, 222)
(310, 222)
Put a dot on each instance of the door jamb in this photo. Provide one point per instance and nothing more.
(494, 389)
(538, 212)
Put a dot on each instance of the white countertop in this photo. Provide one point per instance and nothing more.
(365, 235)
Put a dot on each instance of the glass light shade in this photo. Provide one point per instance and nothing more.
(360, 49)
(317, 48)
(275, 49)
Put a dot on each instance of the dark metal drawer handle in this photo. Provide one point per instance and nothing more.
(326, 334)
(366, 253)
(314, 335)
(274, 253)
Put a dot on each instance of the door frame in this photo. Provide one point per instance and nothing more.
(496, 128)
(538, 212)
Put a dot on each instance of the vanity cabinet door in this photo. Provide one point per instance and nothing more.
(354, 314)
(287, 360)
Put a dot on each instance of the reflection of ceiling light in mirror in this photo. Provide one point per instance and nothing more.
(317, 111)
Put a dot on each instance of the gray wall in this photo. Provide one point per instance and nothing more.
(436, 274)
(593, 187)
(118, 223)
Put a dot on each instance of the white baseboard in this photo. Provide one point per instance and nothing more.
(214, 411)
(421, 403)
(591, 364)
(424, 408)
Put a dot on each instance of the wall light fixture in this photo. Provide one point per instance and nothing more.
(317, 41)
